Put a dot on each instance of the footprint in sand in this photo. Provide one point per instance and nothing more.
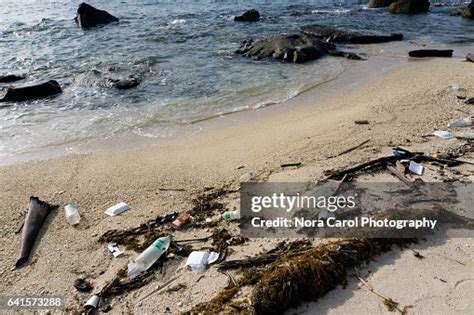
(460, 297)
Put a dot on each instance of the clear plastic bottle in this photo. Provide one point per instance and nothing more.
(460, 123)
(231, 215)
(146, 259)
(72, 215)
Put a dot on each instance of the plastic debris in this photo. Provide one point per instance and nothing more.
(248, 175)
(198, 261)
(72, 215)
(92, 302)
(443, 134)
(231, 215)
(117, 209)
(416, 168)
(181, 221)
(455, 86)
(114, 249)
(460, 123)
(149, 256)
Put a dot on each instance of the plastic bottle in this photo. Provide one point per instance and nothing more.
(459, 123)
(231, 215)
(72, 215)
(146, 259)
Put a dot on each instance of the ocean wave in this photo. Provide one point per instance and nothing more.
(333, 12)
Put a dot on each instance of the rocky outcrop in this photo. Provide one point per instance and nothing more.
(31, 92)
(421, 53)
(380, 3)
(110, 77)
(469, 11)
(11, 78)
(470, 57)
(291, 48)
(88, 16)
(124, 84)
(410, 6)
(334, 35)
(249, 16)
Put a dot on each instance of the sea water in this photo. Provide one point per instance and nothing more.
(184, 53)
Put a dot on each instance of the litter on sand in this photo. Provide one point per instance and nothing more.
(198, 261)
(443, 134)
(416, 168)
(115, 250)
(181, 221)
(117, 209)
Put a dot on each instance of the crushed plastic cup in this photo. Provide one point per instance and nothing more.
(92, 302)
(443, 134)
(117, 209)
(416, 168)
(72, 215)
(198, 260)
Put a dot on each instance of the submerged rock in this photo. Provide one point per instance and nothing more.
(11, 78)
(292, 48)
(31, 92)
(380, 3)
(410, 6)
(124, 84)
(249, 16)
(88, 16)
(456, 12)
(331, 34)
(431, 53)
(469, 11)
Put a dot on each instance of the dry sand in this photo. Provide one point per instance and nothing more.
(401, 107)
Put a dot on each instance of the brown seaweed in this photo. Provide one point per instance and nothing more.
(307, 277)
(37, 212)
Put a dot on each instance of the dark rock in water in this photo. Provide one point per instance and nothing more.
(456, 12)
(469, 11)
(88, 16)
(410, 6)
(334, 35)
(124, 84)
(249, 16)
(380, 3)
(431, 53)
(470, 57)
(25, 93)
(10, 78)
(292, 48)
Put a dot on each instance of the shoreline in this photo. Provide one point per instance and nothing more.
(344, 82)
(348, 80)
(402, 107)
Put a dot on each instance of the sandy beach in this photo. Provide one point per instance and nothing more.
(403, 104)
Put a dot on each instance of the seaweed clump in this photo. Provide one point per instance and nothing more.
(307, 277)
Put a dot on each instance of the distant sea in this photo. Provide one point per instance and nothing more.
(184, 53)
